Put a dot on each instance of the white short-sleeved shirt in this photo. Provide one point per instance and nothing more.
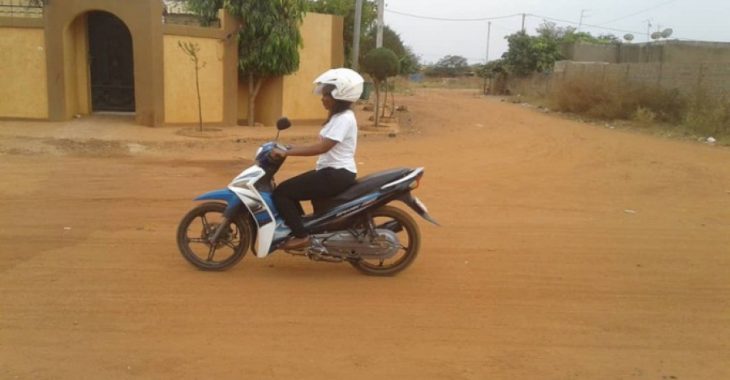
(343, 129)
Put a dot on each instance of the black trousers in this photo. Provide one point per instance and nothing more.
(315, 184)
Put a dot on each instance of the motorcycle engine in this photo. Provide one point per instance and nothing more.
(344, 244)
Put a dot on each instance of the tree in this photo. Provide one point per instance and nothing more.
(346, 9)
(494, 71)
(380, 64)
(409, 62)
(450, 66)
(520, 57)
(528, 54)
(608, 38)
(268, 42)
(207, 10)
(570, 34)
(191, 49)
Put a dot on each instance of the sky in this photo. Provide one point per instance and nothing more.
(436, 28)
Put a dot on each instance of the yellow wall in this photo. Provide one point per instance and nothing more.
(268, 102)
(319, 33)
(181, 104)
(292, 96)
(24, 91)
(27, 94)
(76, 71)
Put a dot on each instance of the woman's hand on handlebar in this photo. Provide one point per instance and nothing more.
(279, 152)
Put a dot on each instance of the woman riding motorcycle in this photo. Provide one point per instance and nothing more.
(336, 168)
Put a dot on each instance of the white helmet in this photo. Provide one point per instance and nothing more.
(348, 84)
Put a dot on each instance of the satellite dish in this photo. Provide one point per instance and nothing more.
(629, 37)
(666, 32)
(656, 35)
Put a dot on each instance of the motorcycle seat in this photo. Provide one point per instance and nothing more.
(361, 187)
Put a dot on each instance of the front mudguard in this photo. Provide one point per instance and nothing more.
(233, 203)
(235, 208)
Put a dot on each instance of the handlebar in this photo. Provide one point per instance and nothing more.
(278, 152)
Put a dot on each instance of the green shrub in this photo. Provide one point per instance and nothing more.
(644, 116)
(381, 63)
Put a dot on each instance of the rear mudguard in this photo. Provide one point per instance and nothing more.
(417, 206)
(233, 203)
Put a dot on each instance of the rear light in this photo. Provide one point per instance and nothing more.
(414, 185)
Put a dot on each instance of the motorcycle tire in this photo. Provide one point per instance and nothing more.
(406, 228)
(196, 227)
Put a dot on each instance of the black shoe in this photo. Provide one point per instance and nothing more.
(296, 243)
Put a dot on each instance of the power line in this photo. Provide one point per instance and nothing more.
(505, 17)
(638, 12)
(451, 19)
(586, 25)
(505, 28)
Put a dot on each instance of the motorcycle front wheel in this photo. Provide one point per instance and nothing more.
(409, 237)
(199, 225)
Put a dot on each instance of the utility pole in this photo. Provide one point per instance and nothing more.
(580, 22)
(489, 32)
(379, 36)
(355, 53)
(523, 22)
(648, 30)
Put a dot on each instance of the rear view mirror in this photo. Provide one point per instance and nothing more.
(283, 123)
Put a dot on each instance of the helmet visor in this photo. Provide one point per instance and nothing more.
(318, 88)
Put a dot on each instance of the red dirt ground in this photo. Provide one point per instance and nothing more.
(568, 251)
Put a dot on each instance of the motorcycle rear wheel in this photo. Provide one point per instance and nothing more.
(410, 240)
(198, 225)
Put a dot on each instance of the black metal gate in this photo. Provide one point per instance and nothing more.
(111, 63)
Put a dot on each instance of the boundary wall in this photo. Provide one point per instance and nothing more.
(709, 78)
(44, 65)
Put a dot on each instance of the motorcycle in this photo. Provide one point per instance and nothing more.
(359, 226)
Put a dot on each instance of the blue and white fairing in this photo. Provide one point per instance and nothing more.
(259, 202)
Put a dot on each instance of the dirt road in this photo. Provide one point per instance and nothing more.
(568, 251)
